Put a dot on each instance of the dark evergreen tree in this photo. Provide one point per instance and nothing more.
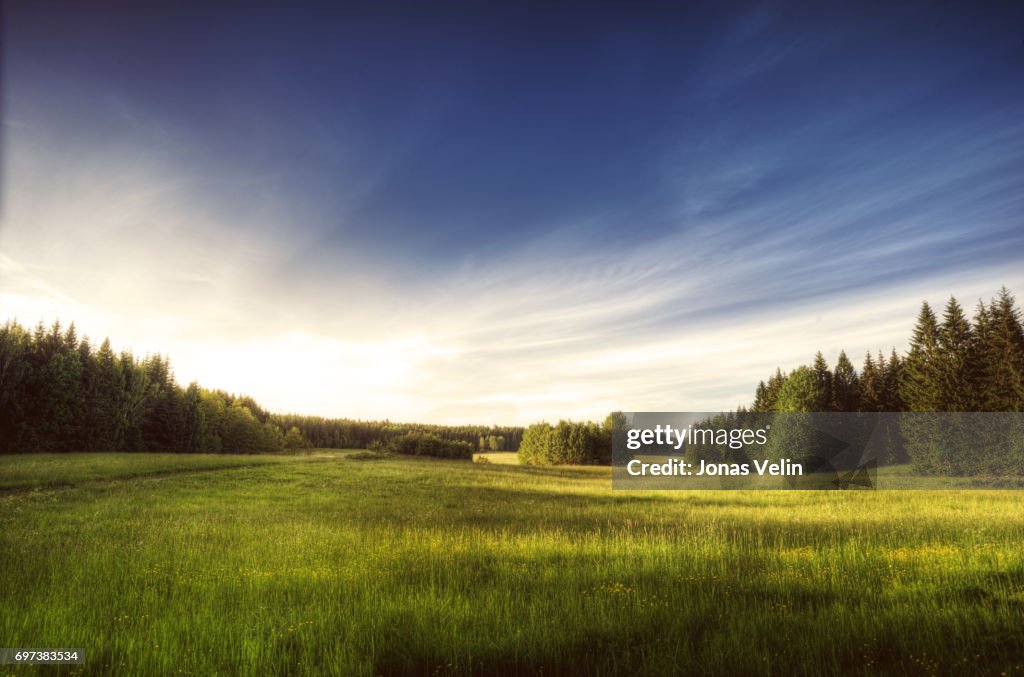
(919, 386)
(193, 420)
(824, 378)
(106, 422)
(767, 397)
(132, 403)
(54, 391)
(15, 372)
(84, 425)
(892, 376)
(983, 394)
(761, 398)
(162, 417)
(846, 386)
(871, 380)
(1002, 356)
(954, 368)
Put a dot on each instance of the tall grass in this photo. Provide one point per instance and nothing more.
(366, 565)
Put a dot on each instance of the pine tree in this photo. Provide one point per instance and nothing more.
(71, 338)
(56, 377)
(15, 344)
(825, 381)
(871, 385)
(161, 423)
(105, 405)
(132, 403)
(766, 400)
(846, 385)
(892, 376)
(979, 356)
(1003, 355)
(919, 385)
(955, 370)
(761, 398)
(193, 419)
(86, 431)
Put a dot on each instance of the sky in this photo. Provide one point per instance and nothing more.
(505, 213)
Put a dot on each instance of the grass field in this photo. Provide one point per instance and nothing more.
(355, 564)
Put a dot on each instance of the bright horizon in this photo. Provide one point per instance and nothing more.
(472, 219)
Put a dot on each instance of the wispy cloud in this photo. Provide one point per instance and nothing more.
(687, 321)
(797, 203)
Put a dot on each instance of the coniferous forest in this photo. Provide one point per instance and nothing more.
(60, 394)
(952, 365)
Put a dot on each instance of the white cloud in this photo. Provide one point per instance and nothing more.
(127, 245)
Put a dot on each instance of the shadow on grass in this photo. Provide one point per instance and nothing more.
(621, 637)
(57, 484)
(465, 503)
(583, 649)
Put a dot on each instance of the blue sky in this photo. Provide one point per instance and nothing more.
(503, 214)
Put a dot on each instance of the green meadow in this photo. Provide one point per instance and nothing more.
(355, 563)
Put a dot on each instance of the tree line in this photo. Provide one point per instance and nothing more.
(60, 394)
(939, 401)
(343, 433)
(953, 365)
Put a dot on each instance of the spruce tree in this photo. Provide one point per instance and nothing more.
(775, 383)
(979, 357)
(767, 394)
(871, 385)
(105, 409)
(919, 385)
(846, 385)
(955, 369)
(161, 423)
(193, 420)
(52, 401)
(761, 398)
(824, 378)
(84, 424)
(892, 376)
(15, 344)
(132, 403)
(1003, 355)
